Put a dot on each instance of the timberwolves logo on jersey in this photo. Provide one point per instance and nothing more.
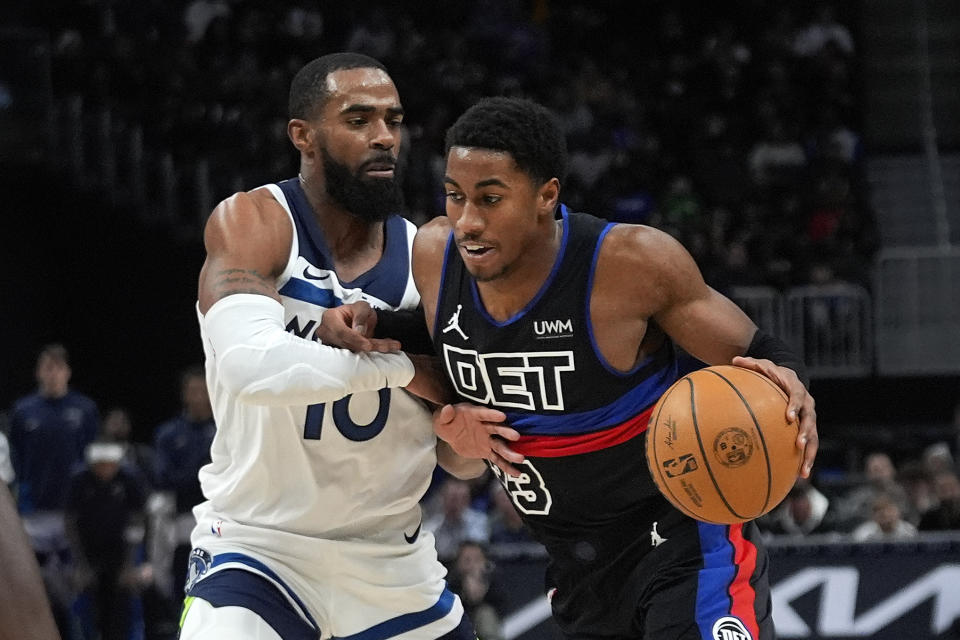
(526, 380)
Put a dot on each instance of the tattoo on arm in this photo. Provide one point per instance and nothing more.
(230, 281)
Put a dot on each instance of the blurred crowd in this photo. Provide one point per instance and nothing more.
(110, 517)
(734, 127)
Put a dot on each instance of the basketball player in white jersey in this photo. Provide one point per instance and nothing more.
(311, 524)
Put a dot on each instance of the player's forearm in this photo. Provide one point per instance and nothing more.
(261, 363)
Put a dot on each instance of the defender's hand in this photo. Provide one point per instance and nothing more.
(800, 404)
(350, 326)
(473, 431)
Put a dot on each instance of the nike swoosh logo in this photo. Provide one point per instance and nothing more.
(416, 534)
(306, 274)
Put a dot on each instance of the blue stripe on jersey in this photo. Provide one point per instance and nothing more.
(300, 290)
(386, 280)
(482, 309)
(623, 408)
(593, 338)
(713, 600)
(239, 558)
(406, 622)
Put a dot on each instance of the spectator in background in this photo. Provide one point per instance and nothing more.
(879, 477)
(7, 474)
(472, 578)
(823, 29)
(49, 431)
(918, 484)
(886, 521)
(182, 446)
(104, 520)
(138, 457)
(805, 511)
(455, 521)
(946, 515)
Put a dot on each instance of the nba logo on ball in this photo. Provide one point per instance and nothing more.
(729, 628)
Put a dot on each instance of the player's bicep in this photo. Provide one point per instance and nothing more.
(702, 321)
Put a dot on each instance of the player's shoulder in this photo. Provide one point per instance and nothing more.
(435, 231)
(258, 205)
(641, 243)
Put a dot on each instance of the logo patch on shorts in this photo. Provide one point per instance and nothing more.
(730, 628)
(198, 564)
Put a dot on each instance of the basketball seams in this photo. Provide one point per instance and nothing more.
(703, 452)
(756, 424)
(652, 460)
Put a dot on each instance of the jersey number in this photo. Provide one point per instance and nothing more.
(345, 424)
(528, 491)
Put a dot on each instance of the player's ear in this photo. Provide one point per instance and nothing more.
(301, 135)
(548, 195)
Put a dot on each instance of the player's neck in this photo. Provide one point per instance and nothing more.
(506, 295)
(355, 244)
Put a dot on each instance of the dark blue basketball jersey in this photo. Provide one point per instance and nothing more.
(585, 490)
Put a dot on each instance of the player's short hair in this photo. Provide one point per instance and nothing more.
(308, 90)
(526, 130)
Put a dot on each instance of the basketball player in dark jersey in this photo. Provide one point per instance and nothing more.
(569, 326)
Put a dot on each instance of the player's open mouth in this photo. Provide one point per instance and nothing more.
(475, 250)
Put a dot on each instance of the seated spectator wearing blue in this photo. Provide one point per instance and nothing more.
(181, 447)
(49, 431)
(104, 520)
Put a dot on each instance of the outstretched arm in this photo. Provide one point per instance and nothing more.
(248, 241)
(706, 324)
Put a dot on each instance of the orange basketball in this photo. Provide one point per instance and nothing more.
(719, 445)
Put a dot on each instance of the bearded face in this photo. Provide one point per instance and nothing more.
(368, 198)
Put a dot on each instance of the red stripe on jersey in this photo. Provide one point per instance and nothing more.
(742, 594)
(557, 446)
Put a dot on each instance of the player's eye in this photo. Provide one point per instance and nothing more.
(491, 198)
(453, 195)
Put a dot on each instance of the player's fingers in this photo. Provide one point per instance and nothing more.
(809, 438)
(446, 414)
(502, 464)
(504, 451)
(364, 318)
(384, 345)
(504, 432)
(492, 415)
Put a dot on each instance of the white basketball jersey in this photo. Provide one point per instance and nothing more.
(284, 477)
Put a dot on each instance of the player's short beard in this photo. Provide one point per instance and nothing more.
(370, 199)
